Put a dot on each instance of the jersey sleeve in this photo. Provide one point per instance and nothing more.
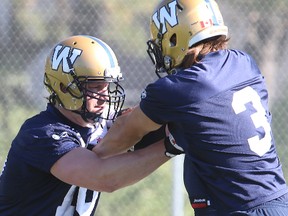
(42, 147)
(162, 100)
(154, 102)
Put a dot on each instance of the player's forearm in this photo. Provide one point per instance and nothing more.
(129, 168)
(84, 168)
(113, 145)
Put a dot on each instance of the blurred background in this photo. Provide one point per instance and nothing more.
(30, 28)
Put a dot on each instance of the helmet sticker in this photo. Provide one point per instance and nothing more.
(61, 54)
(206, 23)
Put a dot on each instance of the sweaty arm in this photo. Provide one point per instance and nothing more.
(127, 130)
(84, 168)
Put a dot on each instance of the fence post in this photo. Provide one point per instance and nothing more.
(178, 196)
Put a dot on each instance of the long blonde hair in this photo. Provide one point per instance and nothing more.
(197, 51)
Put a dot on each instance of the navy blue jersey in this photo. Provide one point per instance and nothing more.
(26, 185)
(217, 110)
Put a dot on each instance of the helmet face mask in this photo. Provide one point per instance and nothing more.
(76, 62)
(112, 96)
(176, 26)
(155, 53)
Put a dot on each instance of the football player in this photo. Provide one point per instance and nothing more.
(51, 168)
(215, 103)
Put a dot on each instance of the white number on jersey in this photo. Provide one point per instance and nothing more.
(259, 119)
(82, 207)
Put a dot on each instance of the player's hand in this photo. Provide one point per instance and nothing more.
(125, 111)
(172, 149)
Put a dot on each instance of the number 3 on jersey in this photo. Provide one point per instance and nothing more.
(259, 119)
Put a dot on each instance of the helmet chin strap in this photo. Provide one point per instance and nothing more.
(88, 116)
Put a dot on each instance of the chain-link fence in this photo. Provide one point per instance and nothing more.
(29, 28)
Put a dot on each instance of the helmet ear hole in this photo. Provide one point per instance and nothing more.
(63, 88)
(173, 40)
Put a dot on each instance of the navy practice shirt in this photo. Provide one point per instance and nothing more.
(27, 188)
(217, 110)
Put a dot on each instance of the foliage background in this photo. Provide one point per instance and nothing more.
(29, 28)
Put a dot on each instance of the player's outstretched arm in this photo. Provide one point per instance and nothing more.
(84, 168)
